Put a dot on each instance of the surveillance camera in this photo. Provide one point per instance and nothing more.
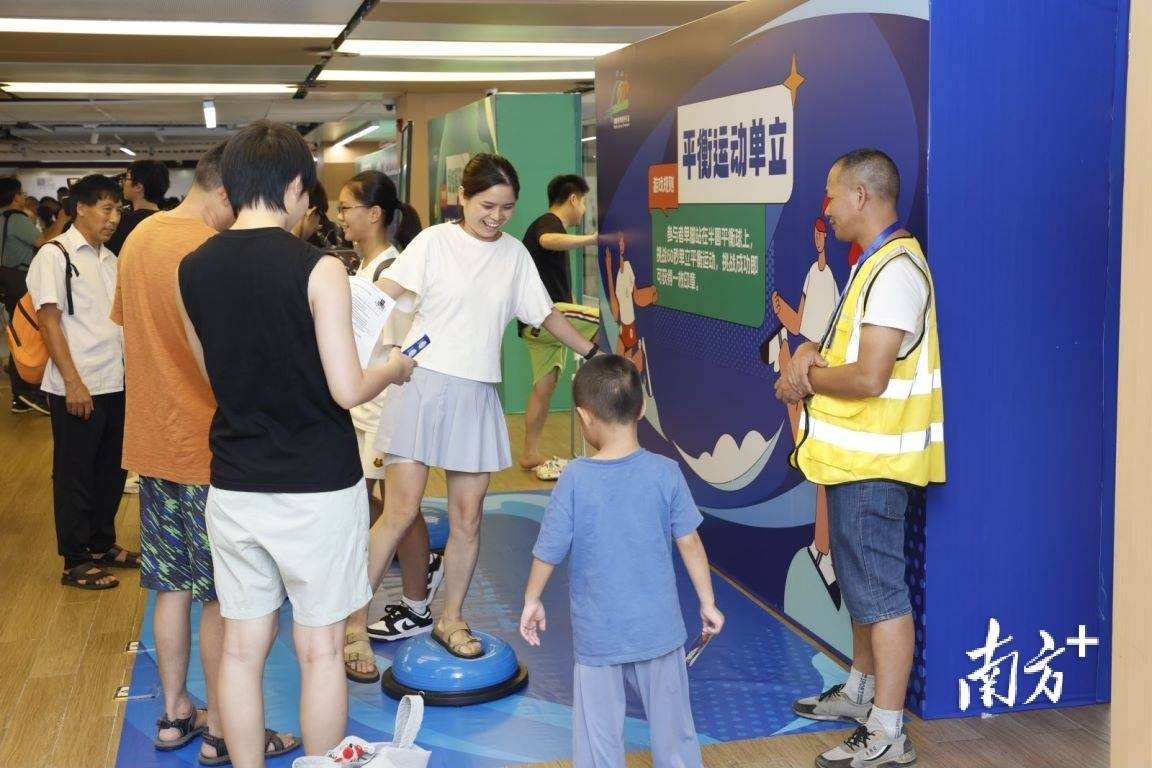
(491, 91)
(389, 105)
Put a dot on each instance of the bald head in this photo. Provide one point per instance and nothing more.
(873, 170)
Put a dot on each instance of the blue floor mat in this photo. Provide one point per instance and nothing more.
(742, 686)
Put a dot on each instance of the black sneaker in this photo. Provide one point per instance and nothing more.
(435, 574)
(399, 621)
(19, 407)
(37, 402)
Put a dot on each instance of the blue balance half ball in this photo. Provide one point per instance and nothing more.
(424, 665)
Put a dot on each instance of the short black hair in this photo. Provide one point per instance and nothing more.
(874, 169)
(608, 386)
(261, 162)
(90, 190)
(10, 186)
(207, 175)
(318, 199)
(62, 191)
(563, 187)
(485, 171)
(153, 176)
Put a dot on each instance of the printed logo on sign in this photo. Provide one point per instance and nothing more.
(998, 675)
(737, 149)
(620, 101)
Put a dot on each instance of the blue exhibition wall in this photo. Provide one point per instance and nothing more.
(1024, 202)
(714, 141)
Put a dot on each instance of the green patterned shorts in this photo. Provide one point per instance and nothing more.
(175, 556)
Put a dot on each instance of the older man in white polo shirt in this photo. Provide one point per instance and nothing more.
(72, 281)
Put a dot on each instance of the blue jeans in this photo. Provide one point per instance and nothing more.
(866, 523)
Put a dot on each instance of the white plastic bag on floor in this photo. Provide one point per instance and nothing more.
(402, 752)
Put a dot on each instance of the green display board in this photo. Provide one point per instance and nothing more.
(540, 134)
(709, 260)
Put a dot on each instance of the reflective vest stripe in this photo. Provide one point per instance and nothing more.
(872, 442)
(922, 384)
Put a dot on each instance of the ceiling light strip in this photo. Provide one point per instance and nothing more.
(475, 49)
(357, 135)
(164, 89)
(168, 28)
(370, 76)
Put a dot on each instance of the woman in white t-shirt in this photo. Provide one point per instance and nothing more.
(376, 221)
(463, 282)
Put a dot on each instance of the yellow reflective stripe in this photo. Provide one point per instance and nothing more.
(872, 442)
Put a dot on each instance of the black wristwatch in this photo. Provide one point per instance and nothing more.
(592, 352)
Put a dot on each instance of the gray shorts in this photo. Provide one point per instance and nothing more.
(598, 712)
(309, 547)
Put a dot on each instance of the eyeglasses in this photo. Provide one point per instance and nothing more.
(340, 209)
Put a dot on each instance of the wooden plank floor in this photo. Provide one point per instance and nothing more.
(62, 651)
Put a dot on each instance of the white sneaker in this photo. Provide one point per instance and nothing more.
(551, 469)
(833, 704)
(435, 574)
(870, 749)
(398, 622)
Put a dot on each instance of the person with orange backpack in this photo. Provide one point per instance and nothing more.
(19, 240)
(72, 282)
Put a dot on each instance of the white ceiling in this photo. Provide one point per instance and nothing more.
(60, 128)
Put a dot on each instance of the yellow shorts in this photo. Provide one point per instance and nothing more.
(546, 352)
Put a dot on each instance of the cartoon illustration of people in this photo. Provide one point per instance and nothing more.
(810, 319)
(624, 297)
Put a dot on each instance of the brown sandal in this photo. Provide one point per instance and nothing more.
(87, 576)
(351, 657)
(444, 632)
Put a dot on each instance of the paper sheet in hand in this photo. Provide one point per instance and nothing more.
(370, 310)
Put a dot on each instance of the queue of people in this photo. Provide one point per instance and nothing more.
(212, 352)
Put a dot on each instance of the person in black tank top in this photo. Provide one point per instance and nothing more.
(269, 319)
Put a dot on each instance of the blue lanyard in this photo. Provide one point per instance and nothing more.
(874, 246)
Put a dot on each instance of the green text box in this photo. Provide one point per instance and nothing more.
(709, 260)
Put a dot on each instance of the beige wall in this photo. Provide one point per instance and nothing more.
(1131, 731)
(417, 108)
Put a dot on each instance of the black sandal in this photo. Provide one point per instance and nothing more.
(280, 747)
(187, 727)
(87, 576)
(111, 558)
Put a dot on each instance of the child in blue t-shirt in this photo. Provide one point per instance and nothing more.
(619, 513)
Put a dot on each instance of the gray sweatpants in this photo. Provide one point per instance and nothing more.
(598, 713)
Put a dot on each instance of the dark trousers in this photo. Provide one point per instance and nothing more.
(87, 480)
(13, 286)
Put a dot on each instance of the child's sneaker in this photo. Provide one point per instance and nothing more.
(398, 622)
(870, 749)
(551, 469)
(833, 704)
(435, 574)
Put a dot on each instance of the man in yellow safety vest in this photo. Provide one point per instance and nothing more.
(871, 431)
